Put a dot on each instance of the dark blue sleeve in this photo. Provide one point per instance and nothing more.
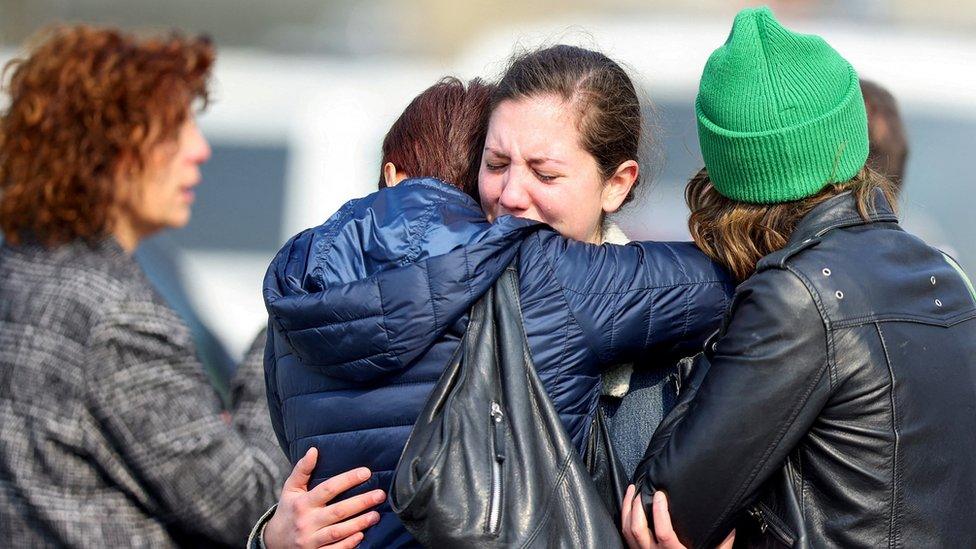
(643, 299)
(271, 384)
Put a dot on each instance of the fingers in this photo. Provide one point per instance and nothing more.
(348, 543)
(331, 514)
(625, 506)
(663, 530)
(297, 481)
(328, 490)
(339, 532)
(638, 525)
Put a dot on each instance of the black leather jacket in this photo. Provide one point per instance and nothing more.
(836, 407)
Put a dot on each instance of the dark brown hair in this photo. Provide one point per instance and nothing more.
(604, 96)
(737, 235)
(86, 107)
(441, 133)
(888, 151)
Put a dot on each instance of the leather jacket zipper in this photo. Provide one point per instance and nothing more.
(675, 379)
(498, 449)
(769, 522)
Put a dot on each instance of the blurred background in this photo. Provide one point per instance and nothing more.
(305, 90)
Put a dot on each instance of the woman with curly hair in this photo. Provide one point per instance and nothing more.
(110, 434)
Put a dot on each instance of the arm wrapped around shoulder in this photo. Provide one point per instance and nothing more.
(659, 299)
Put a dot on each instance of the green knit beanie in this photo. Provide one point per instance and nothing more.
(780, 114)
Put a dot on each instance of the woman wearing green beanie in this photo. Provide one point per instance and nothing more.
(836, 406)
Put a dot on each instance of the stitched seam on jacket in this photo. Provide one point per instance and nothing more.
(361, 389)
(893, 510)
(386, 329)
(687, 312)
(324, 323)
(650, 317)
(613, 321)
(430, 295)
(803, 485)
(329, 238)
(570, 317)
(828, 324)
(467, 275)
(907, 317)
(853, 221)
(645, 288)
(549, 500)
(356, 430)
(331, 364)
(420, 232)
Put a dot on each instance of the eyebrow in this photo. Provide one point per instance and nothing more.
(531, 161)
(495, 152)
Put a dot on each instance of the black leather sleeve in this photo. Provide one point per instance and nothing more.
(749, 400)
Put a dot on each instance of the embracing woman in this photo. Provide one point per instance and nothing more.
(835, 407)
(366, 309)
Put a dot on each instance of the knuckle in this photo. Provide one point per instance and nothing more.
(331, 514)
(328, 491)
(333, 534)
(363, 504)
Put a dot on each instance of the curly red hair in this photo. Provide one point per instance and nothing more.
(87, 105)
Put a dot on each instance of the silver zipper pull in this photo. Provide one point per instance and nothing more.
(758, 515)
(497, 416)
(496, 412)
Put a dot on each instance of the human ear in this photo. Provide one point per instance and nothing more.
(618, 187)
(390, 174)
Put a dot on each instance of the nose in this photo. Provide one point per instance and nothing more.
(514, 198)
(199, 147)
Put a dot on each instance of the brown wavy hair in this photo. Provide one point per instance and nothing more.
(737, 235)
(87, 105)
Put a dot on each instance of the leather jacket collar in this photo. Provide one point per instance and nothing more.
(840, 211)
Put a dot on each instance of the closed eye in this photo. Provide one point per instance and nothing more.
(548, 178)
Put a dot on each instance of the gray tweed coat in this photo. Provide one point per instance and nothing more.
(110, 434)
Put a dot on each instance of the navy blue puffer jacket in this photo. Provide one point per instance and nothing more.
(366, 309)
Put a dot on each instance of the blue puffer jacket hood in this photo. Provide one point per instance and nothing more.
(366, 300)
(366, 309)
